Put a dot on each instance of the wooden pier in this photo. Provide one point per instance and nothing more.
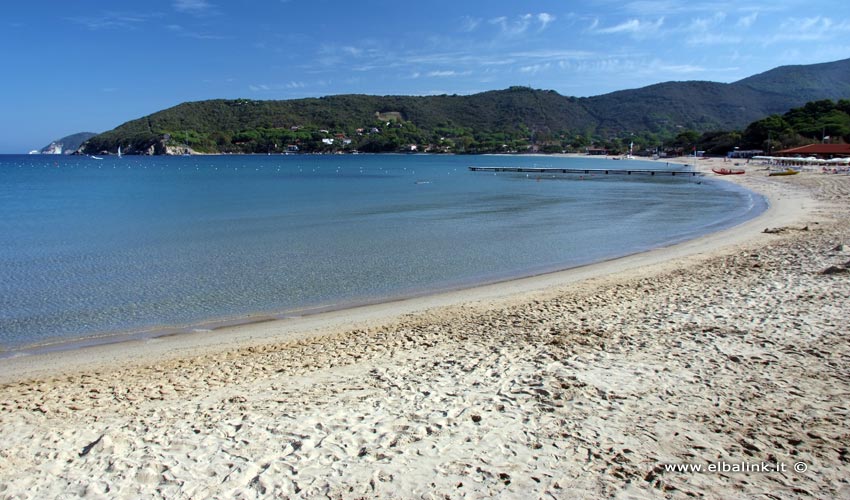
(587, 171)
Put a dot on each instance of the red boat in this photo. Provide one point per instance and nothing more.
(728, 171)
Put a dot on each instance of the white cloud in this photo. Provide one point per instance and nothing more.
(747, 21)
(817, 54)
(807, 24)
(601, 65)
(809, 29)
(366, 54)
(520, 24)
(704, 39)
(634, 27)
(181, 31)
(633, 64)
(679, 8)
(265, 87)
(680, 68)
(709, 23)
(192, 6)
(448, 73)
(535, 68)
(469, 57)
(113, 20)
(545, 19)
(549, 54)
(501, 21)
(630, 26)
(469, 24)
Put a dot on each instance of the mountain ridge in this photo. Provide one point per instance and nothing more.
(67, 144)
(496, 120)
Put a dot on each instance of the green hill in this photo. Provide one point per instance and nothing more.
(504, 120)
(704, 106)
(801, 83)
(666, 107)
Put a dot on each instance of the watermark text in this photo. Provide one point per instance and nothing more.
(733, 467)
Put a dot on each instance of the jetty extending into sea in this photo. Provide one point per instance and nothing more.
(588, 171)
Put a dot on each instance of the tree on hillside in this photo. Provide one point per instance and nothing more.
(686, 140)
(768, 133)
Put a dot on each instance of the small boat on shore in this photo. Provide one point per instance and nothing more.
(728, 171)
(790, 171)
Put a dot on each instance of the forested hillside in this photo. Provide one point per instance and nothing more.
(513, 120)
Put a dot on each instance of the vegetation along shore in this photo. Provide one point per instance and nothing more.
(673, 117)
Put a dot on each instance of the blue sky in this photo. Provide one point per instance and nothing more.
(91, 65)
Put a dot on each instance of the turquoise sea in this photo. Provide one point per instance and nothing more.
(91, 248)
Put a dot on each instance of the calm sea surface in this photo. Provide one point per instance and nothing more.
(91, 248)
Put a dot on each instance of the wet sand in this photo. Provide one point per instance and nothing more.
(583, 383)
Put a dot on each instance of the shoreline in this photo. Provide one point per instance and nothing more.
(287, 325)
(729, 348)
(152, 333)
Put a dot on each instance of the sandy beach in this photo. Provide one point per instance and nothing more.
(727, 350)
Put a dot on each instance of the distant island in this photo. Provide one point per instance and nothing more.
(517, 119)
(66, 145)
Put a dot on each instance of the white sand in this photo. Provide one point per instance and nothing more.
(575, 384)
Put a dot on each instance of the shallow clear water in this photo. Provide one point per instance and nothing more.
(94, 247)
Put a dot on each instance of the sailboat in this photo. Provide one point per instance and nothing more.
(119, 151)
